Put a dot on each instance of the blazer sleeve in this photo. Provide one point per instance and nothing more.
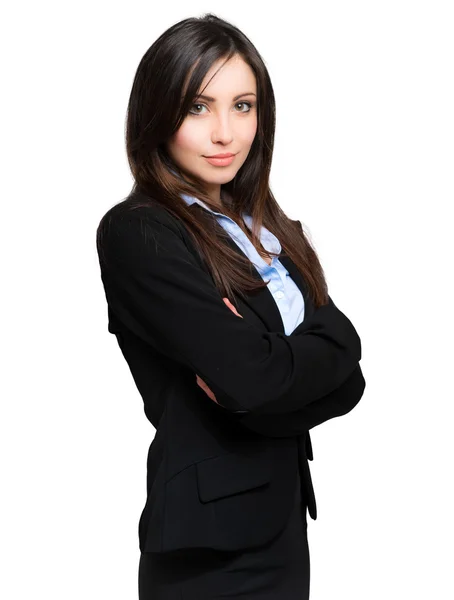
(335, 404)
(156, 288)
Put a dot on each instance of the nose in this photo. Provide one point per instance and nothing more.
(222, 130)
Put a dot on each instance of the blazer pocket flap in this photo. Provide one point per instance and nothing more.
(231, 473)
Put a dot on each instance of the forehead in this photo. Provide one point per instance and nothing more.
(233, 77)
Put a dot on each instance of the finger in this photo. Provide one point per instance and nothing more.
(232, 308)
(206, 389)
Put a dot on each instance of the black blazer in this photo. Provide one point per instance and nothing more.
(221, 475)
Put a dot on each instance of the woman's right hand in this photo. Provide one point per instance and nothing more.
(199, 380)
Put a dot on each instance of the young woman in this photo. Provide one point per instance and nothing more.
(221, 310)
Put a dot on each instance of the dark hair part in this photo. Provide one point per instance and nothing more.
(166, 83)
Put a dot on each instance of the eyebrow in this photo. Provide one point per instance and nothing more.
(210, 99)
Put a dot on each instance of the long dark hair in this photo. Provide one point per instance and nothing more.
(166, 82)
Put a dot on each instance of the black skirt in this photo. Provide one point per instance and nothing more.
(279, 570)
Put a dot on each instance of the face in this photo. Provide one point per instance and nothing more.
(225, 122)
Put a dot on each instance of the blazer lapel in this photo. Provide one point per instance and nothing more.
(262, 301)
(263, 304)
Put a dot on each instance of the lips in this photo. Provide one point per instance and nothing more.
(216, 161)
(227, 155)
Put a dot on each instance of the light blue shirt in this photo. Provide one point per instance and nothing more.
(284, 290)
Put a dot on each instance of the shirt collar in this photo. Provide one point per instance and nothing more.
(268, 240)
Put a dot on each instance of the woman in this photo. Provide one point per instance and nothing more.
(221, 310)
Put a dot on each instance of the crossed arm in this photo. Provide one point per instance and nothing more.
(335, 404)
(158, 290)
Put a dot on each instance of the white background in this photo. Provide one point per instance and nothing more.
(363, 157)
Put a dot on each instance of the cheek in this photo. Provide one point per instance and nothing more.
(185, 140)
(250, 132)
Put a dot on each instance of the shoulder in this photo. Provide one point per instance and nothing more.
(135, 228)
(137, 208)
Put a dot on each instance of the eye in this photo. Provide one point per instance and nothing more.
(248, 104)
(195, 113)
